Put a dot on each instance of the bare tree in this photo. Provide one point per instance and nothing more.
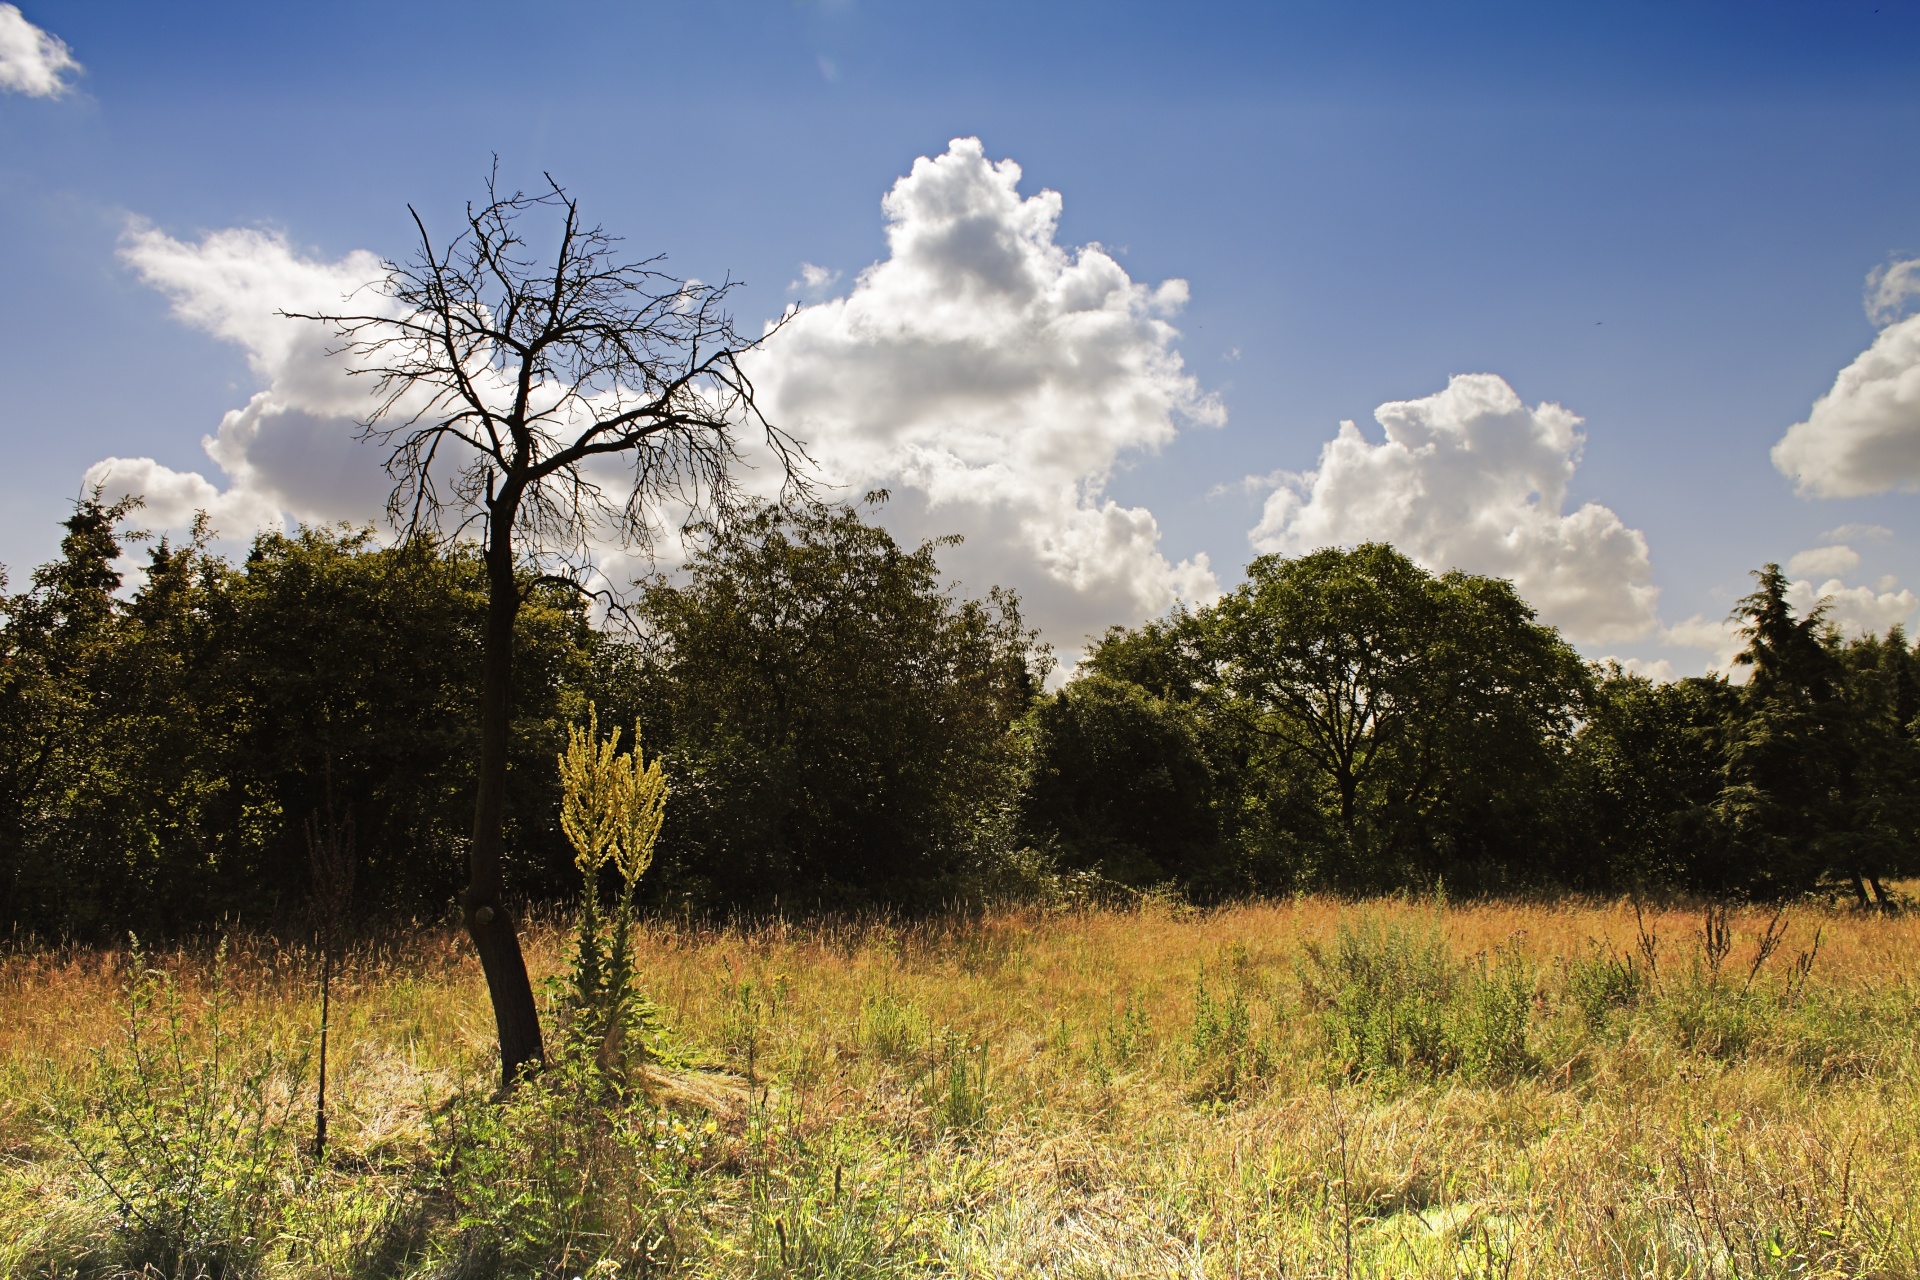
(560, 400)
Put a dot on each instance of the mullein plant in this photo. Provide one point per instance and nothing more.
(611, 809)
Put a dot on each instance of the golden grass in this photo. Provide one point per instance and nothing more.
(1039, 1094)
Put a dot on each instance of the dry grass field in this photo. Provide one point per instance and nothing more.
(1303, 1088)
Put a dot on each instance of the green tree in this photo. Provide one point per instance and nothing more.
(1434, 710)
(1648, 764)
(834, 722)
(1120, 783)
(161, 747)
(110, 804)
(1790, 795)
(1156, 718)
(1881, 678)
(57, 635)
(357, 667)
(1172, 658)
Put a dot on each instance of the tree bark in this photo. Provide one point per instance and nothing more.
(515, 1016)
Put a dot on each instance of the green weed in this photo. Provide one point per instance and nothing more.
(187, 1126)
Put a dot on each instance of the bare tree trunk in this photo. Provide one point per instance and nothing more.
(514, 1014)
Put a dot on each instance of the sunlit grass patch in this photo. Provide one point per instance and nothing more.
(1306, 1087)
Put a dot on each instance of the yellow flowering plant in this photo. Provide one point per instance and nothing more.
(612, 806)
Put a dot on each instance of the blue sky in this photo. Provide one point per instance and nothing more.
(1660, 216)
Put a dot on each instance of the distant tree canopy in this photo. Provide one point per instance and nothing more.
(160, 750)
(841, 729)
(837, 723)
(1347, 719)
(1366, 724)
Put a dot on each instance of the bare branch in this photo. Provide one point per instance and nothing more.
(485, 360)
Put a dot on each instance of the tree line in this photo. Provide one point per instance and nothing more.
(1348, 720)
(843, 729)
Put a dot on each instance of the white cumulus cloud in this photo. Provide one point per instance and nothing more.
(291, 449)
(1855, 610)
(172, 497)
(1471, 478)
(1858, 532)
(1890, 288)
(993, 380)
(32, 61)
(1830, 561)
(814, 277)
(1863, 435)
(1720, 637)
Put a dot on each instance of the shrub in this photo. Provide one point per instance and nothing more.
(1602, 983)
(1395, 1003)
(1225, 1054)
(188, 1126)
(1119, 784)
(1383, 993)
(1126, 1037)
(1490, 1017)
(834, 1211)
(557, 1179)
(956, 1087)
(892, 1029)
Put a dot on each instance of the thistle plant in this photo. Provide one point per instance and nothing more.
(611, 809)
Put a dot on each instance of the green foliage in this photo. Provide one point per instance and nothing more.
(160, 751)
(1882, 836)
(825, 1218)
(1396, 1004)
(554, 1179)
(843, 731)
(1171, 659)
(1491, 1020)
(834, 721)
(1603, 984)
(1643, 776)
(1348, 719)
(956, 1086)
(1343, 718)
(1789, 755)
(109, 812)
(1126, 1037)
(893, 1029)
(1382, 992)
(187, 1125)
(1431, 708)
(1226, 1054)
(1119, 782)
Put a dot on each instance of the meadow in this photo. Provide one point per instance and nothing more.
(1303, 1087)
